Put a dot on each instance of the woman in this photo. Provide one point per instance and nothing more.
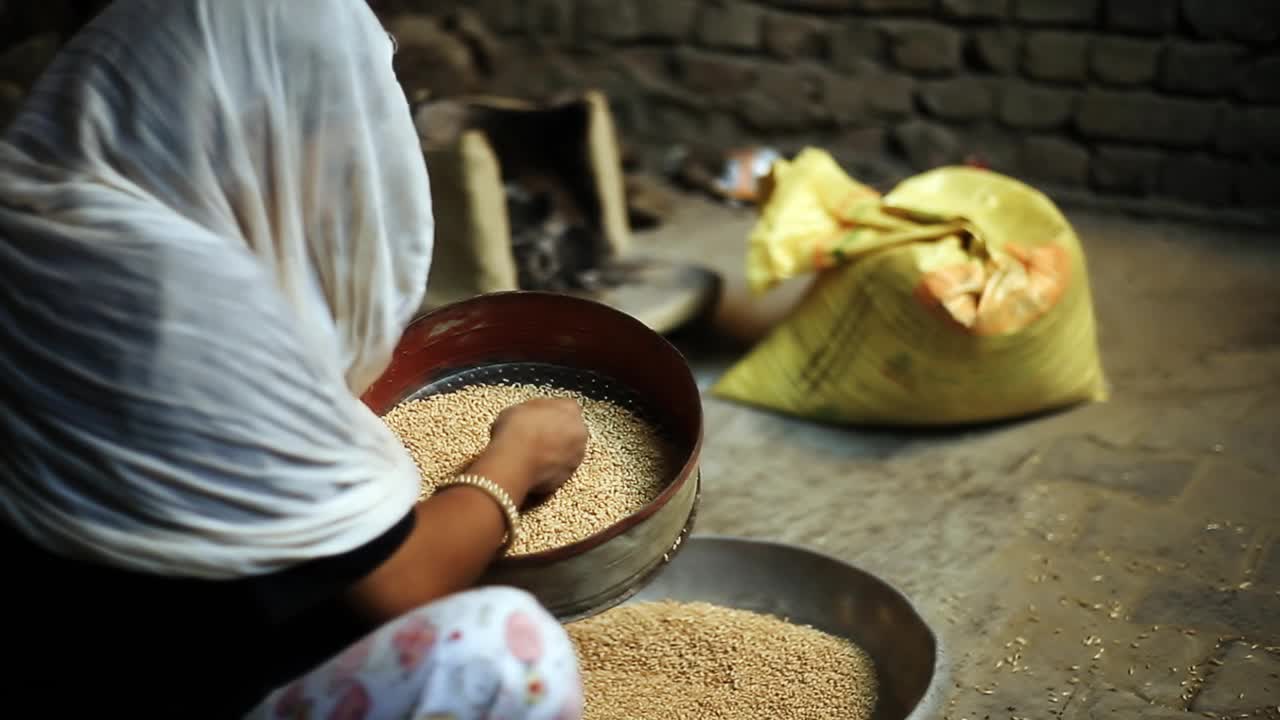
(214, 226)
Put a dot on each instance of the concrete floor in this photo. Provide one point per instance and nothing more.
(1116, 560)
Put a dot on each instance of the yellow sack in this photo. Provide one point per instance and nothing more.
(961, 296)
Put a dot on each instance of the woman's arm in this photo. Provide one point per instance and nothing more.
(534, 448)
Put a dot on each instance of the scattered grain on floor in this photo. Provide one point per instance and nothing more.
(667, 660)
(626, 465)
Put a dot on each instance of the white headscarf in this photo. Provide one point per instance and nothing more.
(215, 223)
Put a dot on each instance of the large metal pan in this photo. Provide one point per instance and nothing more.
(808, 588)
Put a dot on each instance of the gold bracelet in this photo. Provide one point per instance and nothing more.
(499, 495)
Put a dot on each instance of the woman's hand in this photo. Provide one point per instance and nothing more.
(545, 437)
(533, 449)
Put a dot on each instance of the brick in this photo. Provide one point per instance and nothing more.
(926, 145)
(790, 82)
(730, 25)
(792, 37)
(1056, 12)
(1145, 118)
(1056, 56)
(891, 6)
(676, 122)
(1199, 69)
(1034, 107)
(995, 49)
(1199, 179)
(1054, 160)
(644, 66)
(1261, 83)
(1144, 17)
(1257, 186)
(890, 94)
(883, 169)
(668, 19)
(714, 75)
(562, 72)
(1263, 127)
(549, 18)
(514, 76)
(975, 9)
(820, 5)
(1256, 22)
(611, 73)
(431, 57)
(1233, 133)
(1120, 61)
(630, 113)
(846, 99)
(853, 43)
(556, 72)
(992, 148)
(1125, 170)
(502, 15)
(962, 98)
(763, 120)
(924, 47)
(608, 19)
(787, 98)
(866, 141)
(723, 129)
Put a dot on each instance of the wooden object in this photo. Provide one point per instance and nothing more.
(476, 147)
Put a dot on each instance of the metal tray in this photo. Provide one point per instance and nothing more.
(805, 587)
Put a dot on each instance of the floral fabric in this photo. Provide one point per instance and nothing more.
(488, 654)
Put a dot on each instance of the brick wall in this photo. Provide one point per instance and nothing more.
(1164, 106)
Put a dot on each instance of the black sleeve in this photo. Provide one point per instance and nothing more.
(293, 592)
(271, 628)
(308, 620)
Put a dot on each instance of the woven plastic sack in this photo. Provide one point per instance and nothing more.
(962, 296)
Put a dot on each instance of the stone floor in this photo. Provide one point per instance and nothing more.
(1117, 560)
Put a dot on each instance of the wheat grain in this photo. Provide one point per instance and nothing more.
(627, 464)
(669, 661)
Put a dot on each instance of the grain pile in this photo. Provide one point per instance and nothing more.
(654, 661)
(626, 465)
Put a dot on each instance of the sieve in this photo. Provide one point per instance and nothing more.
(580, 345)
